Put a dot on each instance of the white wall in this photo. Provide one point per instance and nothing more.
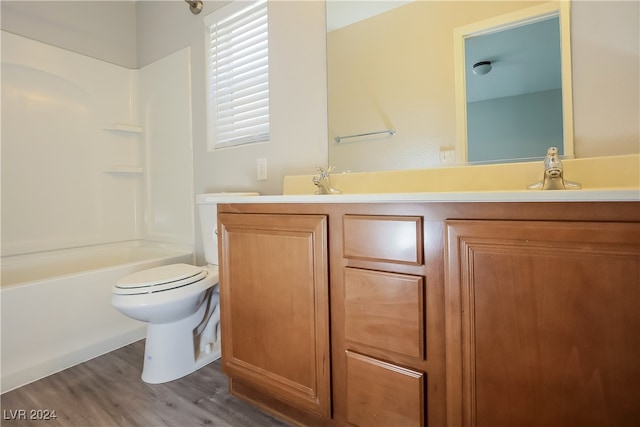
(93, 152)
(165, 115)
(297, 90)
(298, 77)
(605, 43)
(99, 29)
(58, 152)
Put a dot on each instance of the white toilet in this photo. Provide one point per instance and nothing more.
(180, 304)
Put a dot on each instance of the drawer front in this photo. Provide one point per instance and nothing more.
(395, 239)
(385, 310)
(383, 394)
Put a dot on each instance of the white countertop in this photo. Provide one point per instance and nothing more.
(475, 196)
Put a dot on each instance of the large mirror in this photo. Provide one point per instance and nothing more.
(400, 98)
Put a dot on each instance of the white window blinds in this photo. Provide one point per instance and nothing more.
(238, 74)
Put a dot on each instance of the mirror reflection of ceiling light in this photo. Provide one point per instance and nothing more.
(481, 68)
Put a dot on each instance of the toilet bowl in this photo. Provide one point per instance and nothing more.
(180, 303)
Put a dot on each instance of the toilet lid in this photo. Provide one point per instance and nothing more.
(162, 278)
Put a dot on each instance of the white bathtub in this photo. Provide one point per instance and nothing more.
(56, 306)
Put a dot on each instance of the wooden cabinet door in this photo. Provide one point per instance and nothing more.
(274, 305)
(543, 323)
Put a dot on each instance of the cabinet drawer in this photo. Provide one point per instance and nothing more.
(385, 310)
(395, 239)
(382, 394)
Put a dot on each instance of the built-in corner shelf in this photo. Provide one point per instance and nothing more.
(123, 127)
(119, 130)
(124, 169)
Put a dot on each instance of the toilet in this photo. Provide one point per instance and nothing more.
(180, 303)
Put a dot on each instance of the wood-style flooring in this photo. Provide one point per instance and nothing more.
(107, 391)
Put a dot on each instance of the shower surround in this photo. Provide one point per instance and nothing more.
(93, 154)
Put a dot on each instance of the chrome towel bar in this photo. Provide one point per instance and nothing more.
(391, 132)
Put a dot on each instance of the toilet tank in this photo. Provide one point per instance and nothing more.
(208, 211)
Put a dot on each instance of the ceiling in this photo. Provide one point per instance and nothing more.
(524, 59)
(341, 13)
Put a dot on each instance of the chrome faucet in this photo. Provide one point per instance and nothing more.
(323, 182)
(553, 174)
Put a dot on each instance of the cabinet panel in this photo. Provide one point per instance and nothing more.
(382, 394)
(385, 310)
(274, 305)
(383, 238)
(542, 322)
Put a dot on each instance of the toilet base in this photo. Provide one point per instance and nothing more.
(172, 351)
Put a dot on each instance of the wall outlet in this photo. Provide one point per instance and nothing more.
(447, 157)
(261, 169)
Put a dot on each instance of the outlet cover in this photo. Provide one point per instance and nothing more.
(447, 157)
(261, 169)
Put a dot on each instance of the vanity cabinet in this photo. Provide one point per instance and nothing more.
(275, 308)
(433, 313)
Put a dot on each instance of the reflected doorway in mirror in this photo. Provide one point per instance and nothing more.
(523, 105)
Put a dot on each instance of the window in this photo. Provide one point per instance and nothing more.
(237, 74)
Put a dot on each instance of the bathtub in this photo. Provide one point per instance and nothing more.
(56, 306)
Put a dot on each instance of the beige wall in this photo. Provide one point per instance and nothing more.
(403, 77)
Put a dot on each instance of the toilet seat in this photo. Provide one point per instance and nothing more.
(159, 279)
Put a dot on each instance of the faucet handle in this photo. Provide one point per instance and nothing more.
(324, 173)
(323, 182)
(327, 169)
